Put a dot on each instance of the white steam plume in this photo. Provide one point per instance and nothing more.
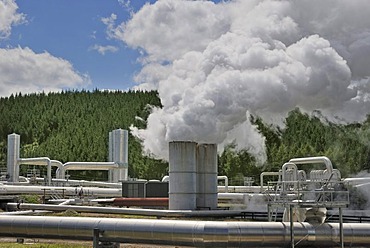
(215, 64)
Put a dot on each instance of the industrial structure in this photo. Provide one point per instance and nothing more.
(118, 155)
(305, 199)
(193, 176)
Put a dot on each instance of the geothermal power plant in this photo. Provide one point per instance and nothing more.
(192, 206)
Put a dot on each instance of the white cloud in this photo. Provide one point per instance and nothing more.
(110, 23)
(23, 70)
(9, 17)
(103, 49)
(126, 4)
(180, 26)
(213, 64)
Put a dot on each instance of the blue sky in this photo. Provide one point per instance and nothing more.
(213, 63)
(70, 30)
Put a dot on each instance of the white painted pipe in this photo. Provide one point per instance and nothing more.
(85, 166)
(314, 160)
(84, 183)
(71, 191)
(127, 211)
(38, 161)
(268, 173)
(226, 179)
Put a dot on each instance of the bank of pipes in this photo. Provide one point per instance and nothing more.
(117, 167)
(193, 191)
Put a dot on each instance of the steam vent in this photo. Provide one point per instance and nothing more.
(193, 176)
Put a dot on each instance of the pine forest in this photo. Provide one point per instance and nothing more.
(74, 126)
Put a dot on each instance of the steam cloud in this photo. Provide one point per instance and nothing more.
(215, 64)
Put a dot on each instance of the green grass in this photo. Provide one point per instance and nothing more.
(43, 245)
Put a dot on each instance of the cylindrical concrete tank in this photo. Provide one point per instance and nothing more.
(182, 172)
(13, 157)
(118, 153)
(207, 176)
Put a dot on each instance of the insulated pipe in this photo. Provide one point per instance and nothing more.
(268, 173)
(71, 191)
(60, 168)
(357, 180)
(26, 212)
(83, 183)
(128, 211)
(284, 169)
(314, 160)
(14, 161)
(38, 161)
(85, 166)
(188, 233)
(226, 179)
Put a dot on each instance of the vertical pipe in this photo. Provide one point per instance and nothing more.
(207, 176)
(226, 179)
(13, 157)
(269, 212)
(96, 234)
(110, 157)
(118, 153)
(291, 225)
(182, 172)
(49, 172)
(341, 227)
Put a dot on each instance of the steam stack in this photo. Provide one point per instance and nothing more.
(207, 176)
(193, 176)
(183, 176)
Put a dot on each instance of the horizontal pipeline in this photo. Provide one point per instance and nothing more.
(132, 211)
(187, 233)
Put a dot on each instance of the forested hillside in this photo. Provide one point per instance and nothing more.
(347, 146)
(74, 126)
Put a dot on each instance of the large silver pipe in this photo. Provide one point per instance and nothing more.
(188, 233)
(226, 183)
(268, 173)
(128, 211)
(85, 166)
(83, 183)
(14, 161)
(314, 160)
(71, 191)
(39, 161)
